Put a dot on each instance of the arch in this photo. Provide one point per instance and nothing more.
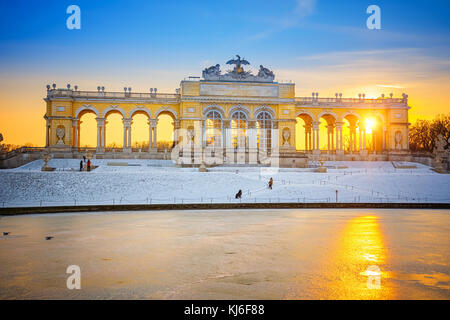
(140, 109)
(324, 113)
(327, 132)
(239, 126)
(301, 112)
(237, 108)
(303, 132)
(350, 113)
(260, 109)
(377, 114)
(213, 128)
(84, 108)
(214, 107)
(166, 110)
(264, 126)
(112, 109)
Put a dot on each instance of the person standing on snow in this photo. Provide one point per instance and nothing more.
(270, 183)
(89, 165)
(81, 165)
(239, 194)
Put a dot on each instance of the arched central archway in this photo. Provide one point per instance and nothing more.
(303, 131)
(141, 127)
(239, 127)
(87, 130)
(213, 129)
(113, 134)
(264, 125)
(327, 128)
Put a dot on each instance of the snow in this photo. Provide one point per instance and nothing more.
(160, 181)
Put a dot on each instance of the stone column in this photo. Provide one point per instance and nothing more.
(176, 130)
(310, 140)
(47, 134)
(124, 136)
(275, 137)
(129, 137)
(228, 137)
(316, 141)
(307, 132)
(360, 139)
(332, 139)
(338, 128)
(339, 144)
(100, 139)
(75, 128)
(155, 137)
(127, 129)
(252, 145)
(150, 135)
(352, 137)
(364, 145)
(330, 129)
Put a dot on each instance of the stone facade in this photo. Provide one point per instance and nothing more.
(247, 114)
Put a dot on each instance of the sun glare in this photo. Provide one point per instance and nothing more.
(370, 125)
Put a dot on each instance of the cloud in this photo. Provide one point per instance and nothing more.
(390, 86)
(416, 72)
(303, 9)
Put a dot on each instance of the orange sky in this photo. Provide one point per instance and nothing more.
(423, 78)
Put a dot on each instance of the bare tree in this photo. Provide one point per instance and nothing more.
(423, 134)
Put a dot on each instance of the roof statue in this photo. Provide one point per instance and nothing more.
(238, 73)
(238, 62)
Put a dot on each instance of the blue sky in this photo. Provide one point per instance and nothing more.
(189, 34)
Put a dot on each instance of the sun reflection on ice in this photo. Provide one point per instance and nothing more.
(359, 257)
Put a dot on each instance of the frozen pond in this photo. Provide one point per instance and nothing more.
(236, 254)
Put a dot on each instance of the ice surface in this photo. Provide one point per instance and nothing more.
(235, 254)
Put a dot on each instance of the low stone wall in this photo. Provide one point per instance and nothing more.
(218, 206)
(19, 160)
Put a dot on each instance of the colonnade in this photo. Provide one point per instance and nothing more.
(335, 137)
(127, 122)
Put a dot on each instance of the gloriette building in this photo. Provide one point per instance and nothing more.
(236, 117)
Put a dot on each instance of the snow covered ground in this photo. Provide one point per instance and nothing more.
(159, 181)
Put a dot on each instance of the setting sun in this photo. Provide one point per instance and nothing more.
(370, 125)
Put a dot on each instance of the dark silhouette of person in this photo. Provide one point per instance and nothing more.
(239, 194)
(81, 165)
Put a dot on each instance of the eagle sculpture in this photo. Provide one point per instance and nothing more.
(238, 62)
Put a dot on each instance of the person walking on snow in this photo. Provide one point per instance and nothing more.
(270, 183)
(81, 165)
(89, 165)
(239, 194)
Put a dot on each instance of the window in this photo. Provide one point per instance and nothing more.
(213, 129)
(60, 109)
(239, 129)
(264, 130)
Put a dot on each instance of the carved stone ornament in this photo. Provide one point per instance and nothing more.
(286, 135)
(238, 73)
(398, 140)
(60, 133)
